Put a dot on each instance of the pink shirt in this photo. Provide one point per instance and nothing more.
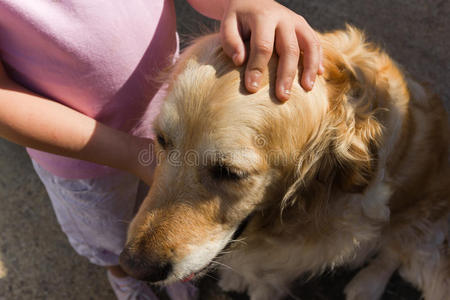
(99, 57)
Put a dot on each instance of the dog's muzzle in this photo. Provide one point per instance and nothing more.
(237, 233)
(141, 266)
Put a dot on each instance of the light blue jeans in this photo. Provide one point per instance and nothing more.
(95, 213)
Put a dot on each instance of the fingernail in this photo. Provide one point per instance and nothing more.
(311, 83)
(235, 58)
(321, 69)
(286, 94)
(286, 89)
(254, 79)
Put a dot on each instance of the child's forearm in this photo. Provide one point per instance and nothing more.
(36, 122)
(213, 9)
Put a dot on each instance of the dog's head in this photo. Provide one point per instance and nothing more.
(225, 156)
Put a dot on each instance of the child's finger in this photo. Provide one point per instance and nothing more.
(310, 45)
(261, 49)
(321, 68)
(286, 44)
(232, 41)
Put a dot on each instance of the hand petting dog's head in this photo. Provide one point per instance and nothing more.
(225, 155)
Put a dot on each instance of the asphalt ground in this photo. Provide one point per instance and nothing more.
(36, 260)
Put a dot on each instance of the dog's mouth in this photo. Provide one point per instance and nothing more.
(237, 233)
(199, 273)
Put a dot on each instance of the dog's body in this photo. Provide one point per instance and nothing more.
(354, 171)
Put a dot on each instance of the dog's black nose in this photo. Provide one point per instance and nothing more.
(144, 268)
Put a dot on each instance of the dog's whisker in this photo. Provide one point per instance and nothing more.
(242, 241)
(238, 240)
(222, 264)
(211, 276)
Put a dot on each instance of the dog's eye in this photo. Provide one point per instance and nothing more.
(221, 172)
(161, 141)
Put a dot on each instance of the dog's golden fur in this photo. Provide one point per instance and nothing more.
(354, 171)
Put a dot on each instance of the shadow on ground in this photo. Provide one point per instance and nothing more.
(37, 262)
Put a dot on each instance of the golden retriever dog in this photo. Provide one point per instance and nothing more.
(353, 173)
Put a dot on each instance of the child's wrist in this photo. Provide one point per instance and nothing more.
(141, 160)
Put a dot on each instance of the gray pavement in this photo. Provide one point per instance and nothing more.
(36, 260)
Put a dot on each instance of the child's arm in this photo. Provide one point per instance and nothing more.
(269, 25)
(33, 121)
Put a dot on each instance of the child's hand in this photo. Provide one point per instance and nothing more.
(270, 24)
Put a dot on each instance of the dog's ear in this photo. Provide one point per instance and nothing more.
(343, 160)
(354, 129)
(350, 162)
(342, 157)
